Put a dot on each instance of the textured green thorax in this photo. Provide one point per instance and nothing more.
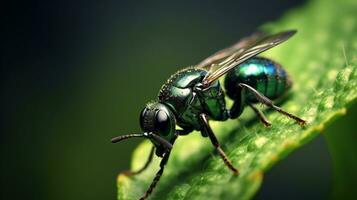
(188, 78)
(179, 95)
(214, 102)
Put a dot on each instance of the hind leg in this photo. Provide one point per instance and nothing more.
(266, 101)
(260, 115)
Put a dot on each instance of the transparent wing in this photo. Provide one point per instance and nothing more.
(240, 55)
(224, 53)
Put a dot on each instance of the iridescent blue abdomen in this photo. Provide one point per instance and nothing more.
(260, 73)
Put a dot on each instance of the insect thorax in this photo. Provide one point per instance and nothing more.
(187, 104)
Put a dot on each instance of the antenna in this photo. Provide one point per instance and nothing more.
(124, 137)
(149, 135)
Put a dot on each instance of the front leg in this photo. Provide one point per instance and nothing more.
(157, 176)
(163, 162)
(207, 129)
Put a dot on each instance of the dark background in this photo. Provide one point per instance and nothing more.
(76, 73)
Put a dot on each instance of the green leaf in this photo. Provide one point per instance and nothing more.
(321, 60)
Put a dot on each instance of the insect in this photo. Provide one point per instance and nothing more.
(194, 95)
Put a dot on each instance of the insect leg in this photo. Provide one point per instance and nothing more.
(157, 176)
(263, 99)
(159, 173)
(132, 173)
(216, 144)
(260, 115)
(184, 131)
(236, 109)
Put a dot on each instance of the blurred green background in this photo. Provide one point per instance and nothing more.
(76, 73)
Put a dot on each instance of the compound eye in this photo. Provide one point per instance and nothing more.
(142, 119)
(162, 123)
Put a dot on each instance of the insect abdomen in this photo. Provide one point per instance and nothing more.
(260, 73)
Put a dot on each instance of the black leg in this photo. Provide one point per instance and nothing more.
(183, 132)
(216, 144)
(263, 99)
(132, 173)
(236, 109)
(159, 173)
(260, 115)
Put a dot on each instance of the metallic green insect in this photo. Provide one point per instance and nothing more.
(194, 95)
